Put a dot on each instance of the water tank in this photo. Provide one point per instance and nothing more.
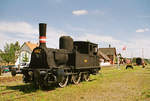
(66, 42)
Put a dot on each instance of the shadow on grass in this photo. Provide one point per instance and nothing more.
(29, 88)
(146, 93)
(91, 80)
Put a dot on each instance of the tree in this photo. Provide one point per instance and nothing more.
(10, 50)
(25, 58)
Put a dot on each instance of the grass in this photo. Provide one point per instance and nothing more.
(110, 85)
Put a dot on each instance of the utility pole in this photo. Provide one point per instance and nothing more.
(118, 62)
(143, 64)
(142, 53)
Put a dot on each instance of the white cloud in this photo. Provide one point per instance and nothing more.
(79, 12)
(142, 30)
(53, 36)
(97, 38)
(146, 29)
(135, 47)
(17, 27)
(90, 12)
(23, 31)
(16, 31)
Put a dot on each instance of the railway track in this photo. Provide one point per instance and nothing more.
(20, 96)
(7, 92)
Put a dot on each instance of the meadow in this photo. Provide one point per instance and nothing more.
(110, 84)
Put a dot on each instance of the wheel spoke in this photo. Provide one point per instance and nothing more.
(86, 76)
(76, 78)
(64, 82)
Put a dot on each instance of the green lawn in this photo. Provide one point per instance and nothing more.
(110, 85)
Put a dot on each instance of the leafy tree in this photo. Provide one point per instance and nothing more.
(9, 53)
(25, 58)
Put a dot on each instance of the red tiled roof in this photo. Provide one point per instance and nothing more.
(31, 45)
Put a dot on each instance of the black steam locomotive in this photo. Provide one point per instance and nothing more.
(73, 62)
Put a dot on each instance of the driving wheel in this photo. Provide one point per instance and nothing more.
(64, 81)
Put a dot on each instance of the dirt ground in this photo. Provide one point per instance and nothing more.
(7, 77)
(8, 74)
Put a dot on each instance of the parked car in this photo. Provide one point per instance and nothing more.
(16, 70)
(11, 67)
(24, 65)
(5, 69)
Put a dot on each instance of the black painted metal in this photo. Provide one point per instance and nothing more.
(139, 61)
(66, 42)
(42, 33)
(72, 58)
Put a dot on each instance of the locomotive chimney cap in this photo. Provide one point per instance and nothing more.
(42, 23)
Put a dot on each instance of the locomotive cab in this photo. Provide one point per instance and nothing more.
(86, 55)
(86, 47)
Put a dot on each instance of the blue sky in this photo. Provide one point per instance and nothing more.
(116, 22)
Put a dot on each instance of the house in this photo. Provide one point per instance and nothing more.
(110, 53)
(103, 59)
(25, 53)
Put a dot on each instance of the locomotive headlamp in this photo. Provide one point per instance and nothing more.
(85, 60)
(37, 51)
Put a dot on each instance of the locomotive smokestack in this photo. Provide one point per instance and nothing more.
(42, 34)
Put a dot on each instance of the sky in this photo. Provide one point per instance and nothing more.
(121, 23)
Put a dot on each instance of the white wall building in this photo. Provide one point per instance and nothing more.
(25, 53)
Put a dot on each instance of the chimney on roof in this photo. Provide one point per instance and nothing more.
(109, 46)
